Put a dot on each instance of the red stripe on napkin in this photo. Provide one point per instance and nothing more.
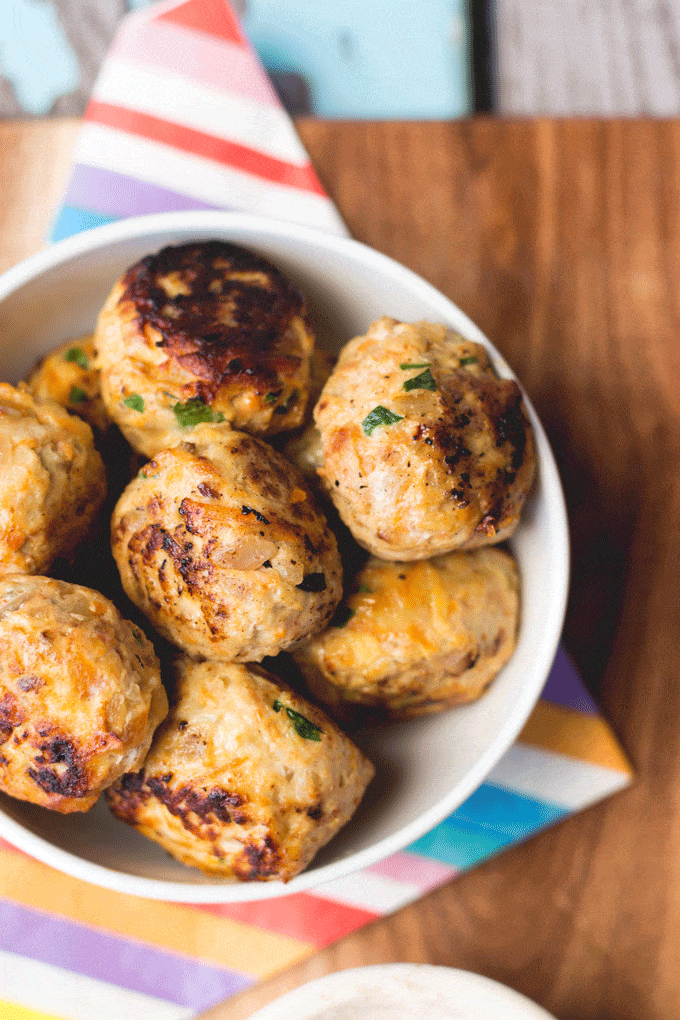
(301, 916)
(211, 17)
(231, 154)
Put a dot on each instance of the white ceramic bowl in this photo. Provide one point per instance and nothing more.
(403, 991)
(425, 767)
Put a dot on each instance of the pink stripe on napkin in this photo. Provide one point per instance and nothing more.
(422, 872)
(213, 62)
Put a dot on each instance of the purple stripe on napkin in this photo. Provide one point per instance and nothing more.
(564, 687)
(119, 961)
(115, 194)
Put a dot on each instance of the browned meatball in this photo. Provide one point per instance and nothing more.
(80, 693)
(67, 375)
(223, 547)
(52, 483)
(424, 449)
(413, 638)
(245, 779)
(204, 332)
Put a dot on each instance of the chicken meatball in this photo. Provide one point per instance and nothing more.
(222, 546)
(80, 693)
(424, 449)
(245, 779)
(52, 483)
(303, 447)
(413, 638)
(204, 332)
(68, 376)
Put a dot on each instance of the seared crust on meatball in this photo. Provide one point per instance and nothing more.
(413, 638)
(80, 693)
(223, 547)
(52, 483)
(203, 332)
(245, 779)
(424, 449)
(67, 375)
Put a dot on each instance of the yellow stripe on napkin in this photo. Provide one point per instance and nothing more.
(12, 1011)
(171, 926)
(585, 737)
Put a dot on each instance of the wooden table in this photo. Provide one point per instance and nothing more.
(562, 241)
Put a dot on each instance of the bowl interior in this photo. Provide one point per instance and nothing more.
(426, 767)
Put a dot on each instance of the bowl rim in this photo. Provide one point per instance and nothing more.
(459, 987)
(221, 223)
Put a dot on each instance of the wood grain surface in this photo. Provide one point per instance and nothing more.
(34, 161)
(605, 57)
(561, 239)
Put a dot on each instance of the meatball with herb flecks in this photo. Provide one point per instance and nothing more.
(80, 693)
(52, 482)
(414, 638)
(203, 332)
(67, 375)
(424, 449)
(245, 779)
(221, 544)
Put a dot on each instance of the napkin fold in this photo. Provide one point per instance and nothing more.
(183, 117)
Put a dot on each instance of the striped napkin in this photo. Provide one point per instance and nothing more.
(183, 117)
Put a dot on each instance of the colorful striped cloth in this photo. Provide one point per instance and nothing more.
(184, 117)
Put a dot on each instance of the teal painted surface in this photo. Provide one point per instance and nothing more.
(35, 55)
(382, 59)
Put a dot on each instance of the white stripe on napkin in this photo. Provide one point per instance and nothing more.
(369, 891)
(546, 775)
(41, 986)
(202, 178)
(176, 98)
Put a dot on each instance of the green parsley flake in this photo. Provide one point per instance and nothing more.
(424, 364)
(134, 402)
(271, 398)
(78, 355)
(365, 590)
(471, 360)
(77, 395)
(424, 381)
(303, 726)
(379, 416)
(194, 412)
(285, 407)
